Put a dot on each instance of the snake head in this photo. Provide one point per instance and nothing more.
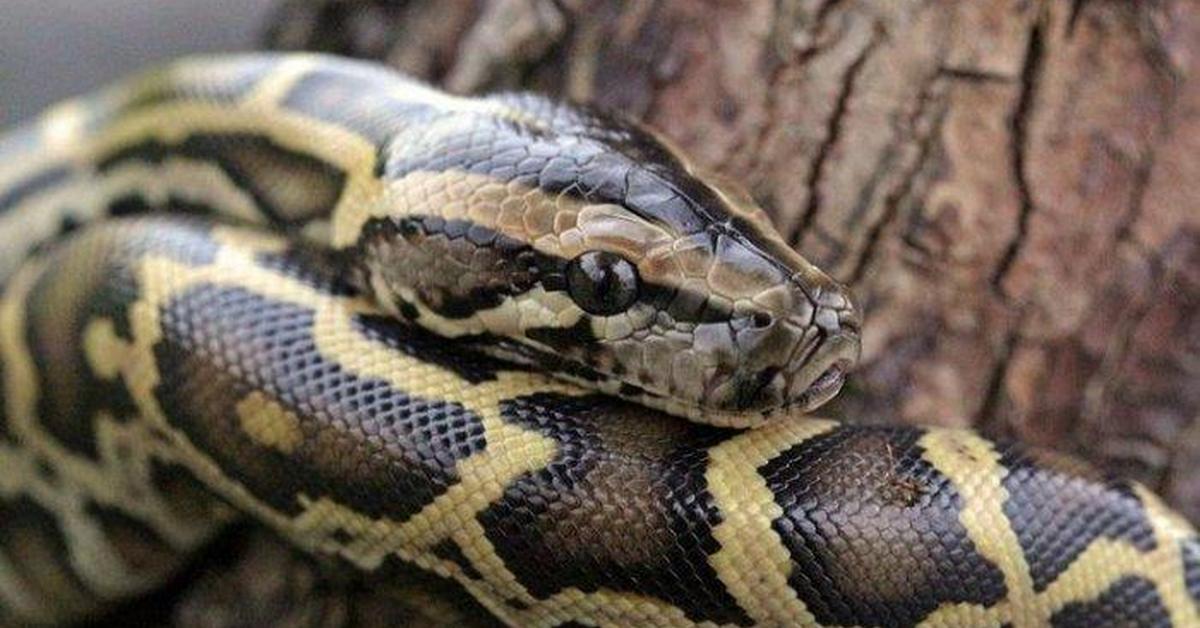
(579, 242)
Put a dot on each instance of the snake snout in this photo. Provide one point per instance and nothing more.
(818, 372)
(796, 357)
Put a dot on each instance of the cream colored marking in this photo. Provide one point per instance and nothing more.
(513, 315)
(64, 123)
(202, 72)
(753, 562)
(119, 482)
(274, 87)
(973, 466)
(1092, 573)
(173, 122)
(623, 325)
(38, 219)
(120, 479)
(102, 349)
(962, 456)
(268, 423)
(1167, 559)
(317, 231)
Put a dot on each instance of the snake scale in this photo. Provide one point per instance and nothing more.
(311, 293)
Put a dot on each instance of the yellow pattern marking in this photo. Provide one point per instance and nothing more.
(119, 479)
(752, 561)
(971, 463)
(973, 466)
(268, 423)
(274, 88)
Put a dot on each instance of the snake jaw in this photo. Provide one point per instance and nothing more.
(822, 375)
(825, 388)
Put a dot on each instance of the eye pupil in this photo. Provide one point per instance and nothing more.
(602, 283)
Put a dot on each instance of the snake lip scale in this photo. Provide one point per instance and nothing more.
(524, 348)
(826, 386)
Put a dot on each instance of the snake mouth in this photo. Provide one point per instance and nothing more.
(827, 385)
(829, 367)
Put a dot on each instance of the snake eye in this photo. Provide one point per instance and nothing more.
(602, 283)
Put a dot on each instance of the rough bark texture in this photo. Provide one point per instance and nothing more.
(1010, 186)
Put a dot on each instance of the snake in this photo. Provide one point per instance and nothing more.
(525, 347)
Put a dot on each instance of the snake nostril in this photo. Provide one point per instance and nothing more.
(826, 319)
(851, 323)
(761, 319)
(851, 319)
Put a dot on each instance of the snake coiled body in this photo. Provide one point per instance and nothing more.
(329, 315)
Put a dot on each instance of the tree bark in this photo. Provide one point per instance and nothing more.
(1009, 187)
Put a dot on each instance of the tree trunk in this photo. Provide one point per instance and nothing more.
(1008, 185)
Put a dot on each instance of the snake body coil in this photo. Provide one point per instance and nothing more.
(165, 375)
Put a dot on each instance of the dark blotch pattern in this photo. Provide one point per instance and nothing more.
(288, 187)
(564, 339)
(361, 98)
(137, 545)
(90, 281)
(365, 444)
(139, 206)
(32, 543)
(449, 550)
(1191, 566)
(1131, 602)
(623, 507)
(455, 267)
(39, 181)
(1058, 508)
(621, 162)
(873, 530)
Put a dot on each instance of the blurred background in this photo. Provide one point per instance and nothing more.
(51, 49)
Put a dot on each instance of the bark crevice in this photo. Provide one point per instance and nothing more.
(1019, 159)
(833, 134)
